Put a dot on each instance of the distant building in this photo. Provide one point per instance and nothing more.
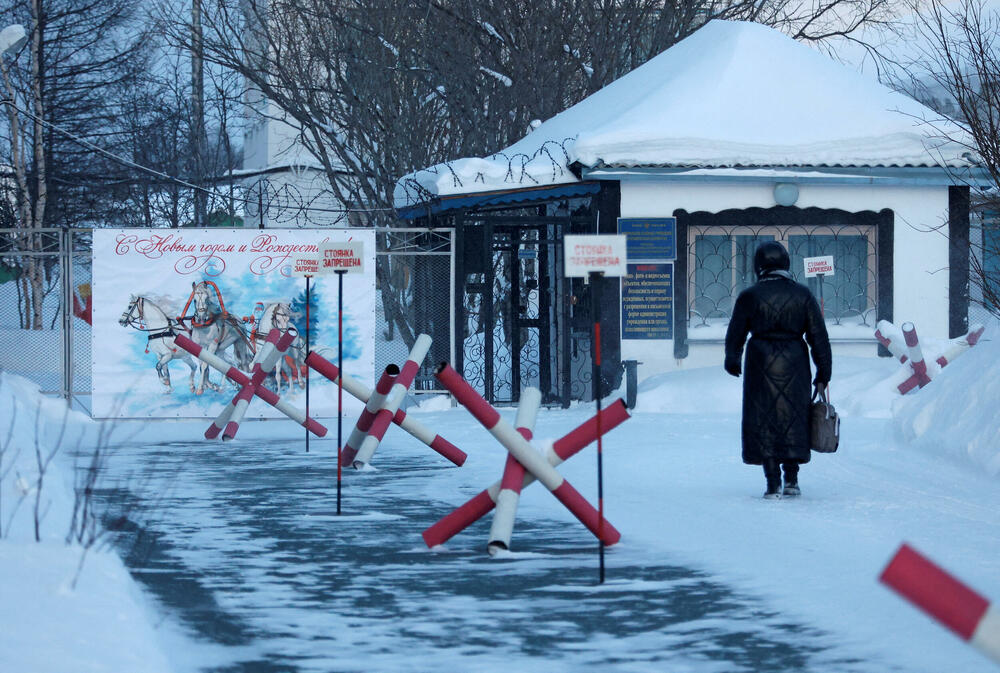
(740, 135)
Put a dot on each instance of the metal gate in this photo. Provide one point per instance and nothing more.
(517, 310)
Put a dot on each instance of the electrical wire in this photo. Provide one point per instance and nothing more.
(170, 178)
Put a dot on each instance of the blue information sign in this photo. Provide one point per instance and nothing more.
(648, 302)
(652, 238)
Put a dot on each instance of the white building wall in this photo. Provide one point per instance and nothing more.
(271, 141)
(920, 250)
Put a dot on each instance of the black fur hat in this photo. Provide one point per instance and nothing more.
(770, 256)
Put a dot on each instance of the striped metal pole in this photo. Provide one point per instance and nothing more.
(532, 461)
(883, 332)
(562, 450)
(375, 402)
(956, 606)
(959, 346)
(267, 360)
(392, 401)
(241, 379)
(260, 371)
(362, 393)
(513, 476)
(917, 364)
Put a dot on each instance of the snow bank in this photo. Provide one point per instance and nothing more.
(58, 615)
(861, 387)
(955, 414)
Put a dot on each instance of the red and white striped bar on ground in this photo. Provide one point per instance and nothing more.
(917, 364)
(512, 481)
(270, 353)
(393, 399)
(241, 379)
(484, 501)
(219, 424)
(532, 461)
(959, 346)
(883, 334)
(363, 393)
(374, 403)
(946, 599)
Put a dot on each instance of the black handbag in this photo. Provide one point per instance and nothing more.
(824, 424)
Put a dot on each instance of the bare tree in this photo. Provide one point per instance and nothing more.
(956, 69)
(57, 91)
(375, 90)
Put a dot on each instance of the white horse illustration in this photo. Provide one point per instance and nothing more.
(145, 316)
(216, 331)
(279, 315)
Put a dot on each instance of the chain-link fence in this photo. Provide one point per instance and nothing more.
(414, 295)
(46, 305)
(45, 309)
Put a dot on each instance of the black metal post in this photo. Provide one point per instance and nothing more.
(595, 294)
(340, 369)
(307, 353)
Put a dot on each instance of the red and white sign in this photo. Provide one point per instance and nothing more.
(600, 253)
(305, 266)
(818, 266)
(346, 256)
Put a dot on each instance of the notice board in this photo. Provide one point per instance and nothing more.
(648, 301)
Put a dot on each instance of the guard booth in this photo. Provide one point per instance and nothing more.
(517, 321)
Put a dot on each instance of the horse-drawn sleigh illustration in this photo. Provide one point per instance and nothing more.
(206, 321)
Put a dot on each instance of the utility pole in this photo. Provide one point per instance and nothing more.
(197, 114)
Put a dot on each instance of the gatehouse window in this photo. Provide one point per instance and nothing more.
(720, 263)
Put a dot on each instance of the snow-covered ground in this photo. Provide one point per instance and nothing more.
(250, 569)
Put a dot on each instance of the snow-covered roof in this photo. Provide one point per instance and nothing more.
(732, 94)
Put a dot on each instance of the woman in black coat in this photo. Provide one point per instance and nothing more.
(778, 313)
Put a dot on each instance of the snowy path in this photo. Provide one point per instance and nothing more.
(244, 549)
(248, 551)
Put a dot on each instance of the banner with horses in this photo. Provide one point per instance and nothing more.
(225, 289)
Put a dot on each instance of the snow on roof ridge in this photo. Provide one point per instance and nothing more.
(732, 93)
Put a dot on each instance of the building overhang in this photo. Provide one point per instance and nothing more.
(912, 176)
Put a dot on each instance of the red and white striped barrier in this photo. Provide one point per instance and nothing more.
(961, 345)
(362, 393)
(267, 350)
(374, 403)
(484, 501)
(393, 399)
(946, 599)
(887, 334)
(270, 354)
(917, 364)
(242, 380)
(513, 475)
(532, 461)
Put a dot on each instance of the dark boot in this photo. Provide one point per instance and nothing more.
(772, 472)
(791, 480)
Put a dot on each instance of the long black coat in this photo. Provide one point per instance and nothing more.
(777, 312)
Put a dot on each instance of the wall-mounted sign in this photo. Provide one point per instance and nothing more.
(818, 266)
(648, 302)
(601, 253)
(650, 238)
(346, 256)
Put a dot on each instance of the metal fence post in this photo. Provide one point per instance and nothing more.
(66, 261)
